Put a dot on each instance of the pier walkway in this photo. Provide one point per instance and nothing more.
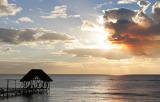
(36, 81)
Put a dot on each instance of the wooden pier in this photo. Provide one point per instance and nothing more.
(35, 81)
(20, 91)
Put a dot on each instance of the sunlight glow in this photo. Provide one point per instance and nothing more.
(102, 41)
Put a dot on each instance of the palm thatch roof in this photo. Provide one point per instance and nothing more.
(36, 73)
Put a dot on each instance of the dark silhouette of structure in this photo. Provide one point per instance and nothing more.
(35, 81)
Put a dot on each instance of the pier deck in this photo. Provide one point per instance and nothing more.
(36, 81)
(4, 92)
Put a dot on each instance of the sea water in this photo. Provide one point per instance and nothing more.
(94, 88)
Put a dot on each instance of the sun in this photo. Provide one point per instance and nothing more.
(102, 40)
(101, 36)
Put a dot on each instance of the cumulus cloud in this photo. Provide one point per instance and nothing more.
(135, 30)
(14, 36)
(7, 9)
(59, 12)
(126, 1)
(114, 54)
(25, 20)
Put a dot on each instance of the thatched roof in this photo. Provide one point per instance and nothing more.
(36, 73)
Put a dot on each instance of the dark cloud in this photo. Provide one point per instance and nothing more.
(135, 30)
(118, 13)
(14, 36)
(114, 54)
(156, 11)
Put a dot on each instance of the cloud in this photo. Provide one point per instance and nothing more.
(14, 36)
(135, 30)
(126, 1)
(156, 11)
(91, 66)
(100, 5)
(7, 9)
(7, 50)
(59, 12)
(112, 15)
(88, 26)
(25, 20)
(114, 54)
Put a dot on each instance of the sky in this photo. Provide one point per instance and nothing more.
(114, 37)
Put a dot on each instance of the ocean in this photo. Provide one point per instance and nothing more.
(94, 88)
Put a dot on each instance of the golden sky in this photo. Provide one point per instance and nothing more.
(114, 37)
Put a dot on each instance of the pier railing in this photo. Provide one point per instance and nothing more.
(13, 87)
(35, 81)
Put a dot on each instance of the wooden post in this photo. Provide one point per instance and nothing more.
(15, 84)
(15, 88)
(7, 87)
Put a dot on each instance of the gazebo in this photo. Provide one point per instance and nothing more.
(36, 79)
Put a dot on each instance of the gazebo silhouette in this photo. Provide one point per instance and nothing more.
(36, 79)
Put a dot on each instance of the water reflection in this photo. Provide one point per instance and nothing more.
(98, 89)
